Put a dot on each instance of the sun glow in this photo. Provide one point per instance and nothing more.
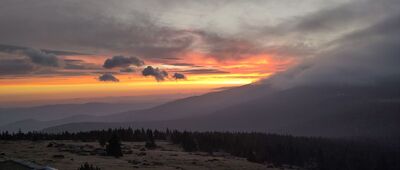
(203, 74)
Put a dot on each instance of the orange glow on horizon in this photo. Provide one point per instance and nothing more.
(233, 72)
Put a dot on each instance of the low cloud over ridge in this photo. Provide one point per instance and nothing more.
(365, 57)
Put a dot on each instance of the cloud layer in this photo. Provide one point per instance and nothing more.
(333, 41)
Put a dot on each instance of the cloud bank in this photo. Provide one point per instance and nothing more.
(364, 57)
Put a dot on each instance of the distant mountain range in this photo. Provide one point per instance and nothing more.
(61, 111)
(334, 111)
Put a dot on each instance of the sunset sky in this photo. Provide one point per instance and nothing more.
(72, 49)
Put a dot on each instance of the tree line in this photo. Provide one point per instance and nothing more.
(307, 152)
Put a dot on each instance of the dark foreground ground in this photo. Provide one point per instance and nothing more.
(69, 155)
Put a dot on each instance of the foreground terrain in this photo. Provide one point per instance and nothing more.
(69, 155)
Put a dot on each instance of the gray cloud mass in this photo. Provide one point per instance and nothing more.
(157, 73)
(364, 57)
(42, 58)
(178, 76)
(16, 67)
(108, 77)
(122, 61)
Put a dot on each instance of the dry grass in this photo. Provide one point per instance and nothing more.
(166, 156)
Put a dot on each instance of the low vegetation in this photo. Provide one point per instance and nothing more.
(86, 166)
(307, 152)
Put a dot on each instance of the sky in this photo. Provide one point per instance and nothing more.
(95, 48)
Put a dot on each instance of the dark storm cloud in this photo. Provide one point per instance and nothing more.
(178, 76)
(42, 58)
(367, 56)
(99, 30)
(38, 56)
(157, 73)
(122, 61)
(16, 67)
(91, 26)
(108, 77)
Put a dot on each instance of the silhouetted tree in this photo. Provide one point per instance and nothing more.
(102, 141)
(251, 156)
(150, 143)
(188, 143)
(114, 146)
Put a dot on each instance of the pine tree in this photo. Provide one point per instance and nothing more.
(188, 143)
(150, 143)
(251, 156)
(102, 141)
(114, 146)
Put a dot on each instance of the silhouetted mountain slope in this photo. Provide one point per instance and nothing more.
(196, 105)
(316, 111)
(178, 109)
